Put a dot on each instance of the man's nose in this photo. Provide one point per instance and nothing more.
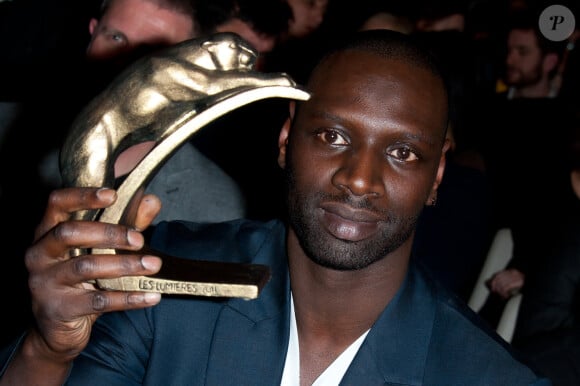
(361, 174)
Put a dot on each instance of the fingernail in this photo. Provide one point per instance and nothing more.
(105, 194)
(151, 297)
(150, 262)
(134, 238)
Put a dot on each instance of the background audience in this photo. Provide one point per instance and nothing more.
(523, 131)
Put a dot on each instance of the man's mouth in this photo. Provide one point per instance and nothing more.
(347, 223)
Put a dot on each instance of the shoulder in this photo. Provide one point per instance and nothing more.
(435, 339)
(462, 346)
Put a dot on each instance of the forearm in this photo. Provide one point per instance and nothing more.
(34, 364)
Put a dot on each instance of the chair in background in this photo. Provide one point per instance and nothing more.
(498, 256)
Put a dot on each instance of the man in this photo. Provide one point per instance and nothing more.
(303, 38)
(261, 23)
(441, 16)
(121, 33)
(531, 61)
(307, 17)
(520, 116)
(362, 158)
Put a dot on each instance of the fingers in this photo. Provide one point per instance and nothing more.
(65, 236)
(63, 202)
(59, 288)
(109, 301)
(149, 207)
(83, 304)
(92, 267)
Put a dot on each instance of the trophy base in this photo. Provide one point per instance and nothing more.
(196, 278)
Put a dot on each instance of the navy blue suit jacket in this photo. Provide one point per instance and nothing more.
(424, 337)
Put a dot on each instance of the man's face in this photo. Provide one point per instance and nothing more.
(524, 59)
(308, 15)
(130, 28)
(362, 158)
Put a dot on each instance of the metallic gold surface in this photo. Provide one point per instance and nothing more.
(197, 278)
(166, 98)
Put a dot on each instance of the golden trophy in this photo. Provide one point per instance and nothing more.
(166, 98)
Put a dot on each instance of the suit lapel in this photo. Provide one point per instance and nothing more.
(250, 340)
(395, 350)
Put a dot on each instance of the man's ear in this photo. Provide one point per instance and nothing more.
(283, 136)
(432, 199)
(575, 179)
(550, 62)
(92, 25)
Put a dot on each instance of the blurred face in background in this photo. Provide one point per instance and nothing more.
(308, 15)
(129, 28)
(524, 59)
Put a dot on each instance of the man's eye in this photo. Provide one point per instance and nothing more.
(403, 154)
(117, 37)
(332, 137)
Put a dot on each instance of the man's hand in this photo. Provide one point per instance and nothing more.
(506, 283)
(64, 302)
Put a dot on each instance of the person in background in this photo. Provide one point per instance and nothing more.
(532, 61)
(548, 324)
(307, 17)
(122, 34)
(532, 124)
(304, 40)
(441, 15)
(250, 149)
(262, 23)
(345, 304)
